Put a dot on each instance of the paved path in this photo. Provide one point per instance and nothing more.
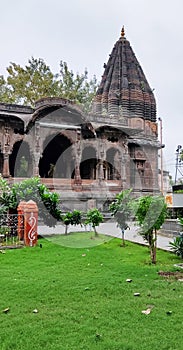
(110, 229)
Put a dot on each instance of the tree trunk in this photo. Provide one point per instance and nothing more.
(96, 234)
(154, 248)
(66, 229)
(123, 237)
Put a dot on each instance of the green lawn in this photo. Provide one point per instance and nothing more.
(83, 299)
(79, 239)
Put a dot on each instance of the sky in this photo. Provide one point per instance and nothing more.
(83, 33)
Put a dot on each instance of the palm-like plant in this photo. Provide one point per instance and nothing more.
(177, 245)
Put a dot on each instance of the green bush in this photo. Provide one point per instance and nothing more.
(151, 212)
(177, 245)
(72, 218)
(31, 189)
(94, 218)
(121, 209)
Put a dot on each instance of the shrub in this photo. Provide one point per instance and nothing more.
(120, 208)
(31, 189)
(94, 218)
(150, 213)
(177, 245)
(71, 218)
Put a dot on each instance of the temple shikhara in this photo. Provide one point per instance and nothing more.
(89, 158)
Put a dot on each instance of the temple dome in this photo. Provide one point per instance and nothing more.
(124, 90)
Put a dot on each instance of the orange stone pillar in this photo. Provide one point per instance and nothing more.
(30, 223)
(20, 227)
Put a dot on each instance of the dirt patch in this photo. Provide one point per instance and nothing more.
(178, 275)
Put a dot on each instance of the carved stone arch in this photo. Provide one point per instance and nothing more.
(113, 159)
(70, 134)
(88, 162)
(57, 156)
(21, 160)
(117, 147)
(55, 110)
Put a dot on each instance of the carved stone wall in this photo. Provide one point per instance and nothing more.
(83, 161)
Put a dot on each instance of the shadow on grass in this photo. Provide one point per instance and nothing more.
(79, 239)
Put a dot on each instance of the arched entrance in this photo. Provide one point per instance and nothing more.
(57, 160)
(112, 164)
(88, 163)
(20, 161)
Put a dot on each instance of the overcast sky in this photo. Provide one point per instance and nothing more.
(83, 33)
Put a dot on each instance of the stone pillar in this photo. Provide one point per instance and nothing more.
(20, 227)
(77, 157)
(36, 158)
(100, 170)
(6, 151)
(6, 168)
(101, 153)
(123, 160)
(37, 149)
(30, 223)
(77, 173)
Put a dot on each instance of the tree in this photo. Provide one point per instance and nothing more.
(67, 219)
(94, 218)
(47, 202)
(151, 212)
(25, 85)
(71, 218)
(4, 91)
(76, 217)
(77, 87)
(120, 208)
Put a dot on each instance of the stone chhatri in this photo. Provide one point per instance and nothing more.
(87, 159)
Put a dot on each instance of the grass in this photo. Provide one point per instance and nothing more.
(79, 239)
(83, 299)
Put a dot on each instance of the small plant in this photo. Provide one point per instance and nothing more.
(67, 219)
(150, 214)
(94, 217)
(76, 217)
(5, 230)
(177, 245)
(72, 218)
(120, 208)
(5, 233)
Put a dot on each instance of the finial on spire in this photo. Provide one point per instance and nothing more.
(123, 32)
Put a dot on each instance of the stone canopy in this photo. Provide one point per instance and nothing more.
(87, 158)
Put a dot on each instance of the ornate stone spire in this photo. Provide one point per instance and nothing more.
(124, 90)
(123, 32)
